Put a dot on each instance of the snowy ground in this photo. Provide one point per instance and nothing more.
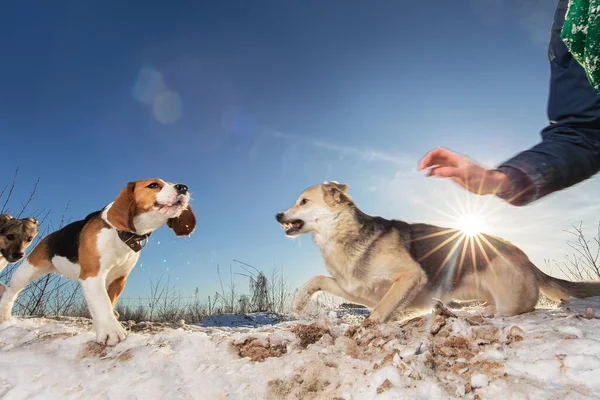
(552, 353)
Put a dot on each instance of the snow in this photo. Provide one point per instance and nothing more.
(479, 381)
(553, 352)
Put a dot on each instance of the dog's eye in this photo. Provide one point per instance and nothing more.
(29, 239)
(303, 202)
(10, 237)
(153, 185)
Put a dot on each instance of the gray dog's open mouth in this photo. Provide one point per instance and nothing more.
(292, 226)
(10, 258)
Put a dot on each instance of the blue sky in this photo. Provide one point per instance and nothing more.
(248, 103)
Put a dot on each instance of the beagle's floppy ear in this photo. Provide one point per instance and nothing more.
(184, 224)
(122, 211)
(336, 191)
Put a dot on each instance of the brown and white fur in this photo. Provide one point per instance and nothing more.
(92, 252)
(388, 265)
(16, 235)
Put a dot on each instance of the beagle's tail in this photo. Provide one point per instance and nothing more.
(560, 289)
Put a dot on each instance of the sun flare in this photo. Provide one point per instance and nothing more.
(471, 224)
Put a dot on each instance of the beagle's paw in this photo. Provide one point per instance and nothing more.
(110, 333)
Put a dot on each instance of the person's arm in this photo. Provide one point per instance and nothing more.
(565, 157)
(570, 149)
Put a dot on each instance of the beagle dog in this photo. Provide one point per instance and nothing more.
(15, 237)
(101, 250)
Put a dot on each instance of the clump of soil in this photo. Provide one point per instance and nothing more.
(304, 384)
(451, 351)
(309, 334)
(259, 350)
(53, 336)
(96, 350)
(444, 346)
(93, 349)
(453, 358)
(385, 386)
(125, 356)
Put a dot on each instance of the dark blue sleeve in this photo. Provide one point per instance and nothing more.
(570, 148)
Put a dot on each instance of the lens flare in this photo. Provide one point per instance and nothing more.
(464, 243)
(471, 224)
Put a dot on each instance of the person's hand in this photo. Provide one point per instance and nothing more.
(447, 164)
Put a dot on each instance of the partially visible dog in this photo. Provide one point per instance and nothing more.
(101, 250)
(15, 237)
(388, 265)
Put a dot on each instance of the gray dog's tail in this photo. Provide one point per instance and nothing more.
(560, 289)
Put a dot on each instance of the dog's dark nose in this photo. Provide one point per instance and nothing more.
(17, 255)
(181, 189)
(279, 217)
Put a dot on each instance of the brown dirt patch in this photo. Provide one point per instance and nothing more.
(303, 385)
(309, 334)
(259, 350)
(450, 355)
(125, 356)
(93, 349)
(416, 322)
(456, 355)
(384, 387)
(97, 350)
(387, 360)
(515, 334)
(52, 336)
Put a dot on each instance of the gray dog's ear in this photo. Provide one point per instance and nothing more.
(337, 191)
(5, 217)
(4, 220)
(32, 220)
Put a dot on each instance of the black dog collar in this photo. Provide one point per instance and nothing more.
(133, 240)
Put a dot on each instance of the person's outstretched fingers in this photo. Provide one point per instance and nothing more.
(440, 156)
(446, 172)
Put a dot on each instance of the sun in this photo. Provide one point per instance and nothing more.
(471, 224)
